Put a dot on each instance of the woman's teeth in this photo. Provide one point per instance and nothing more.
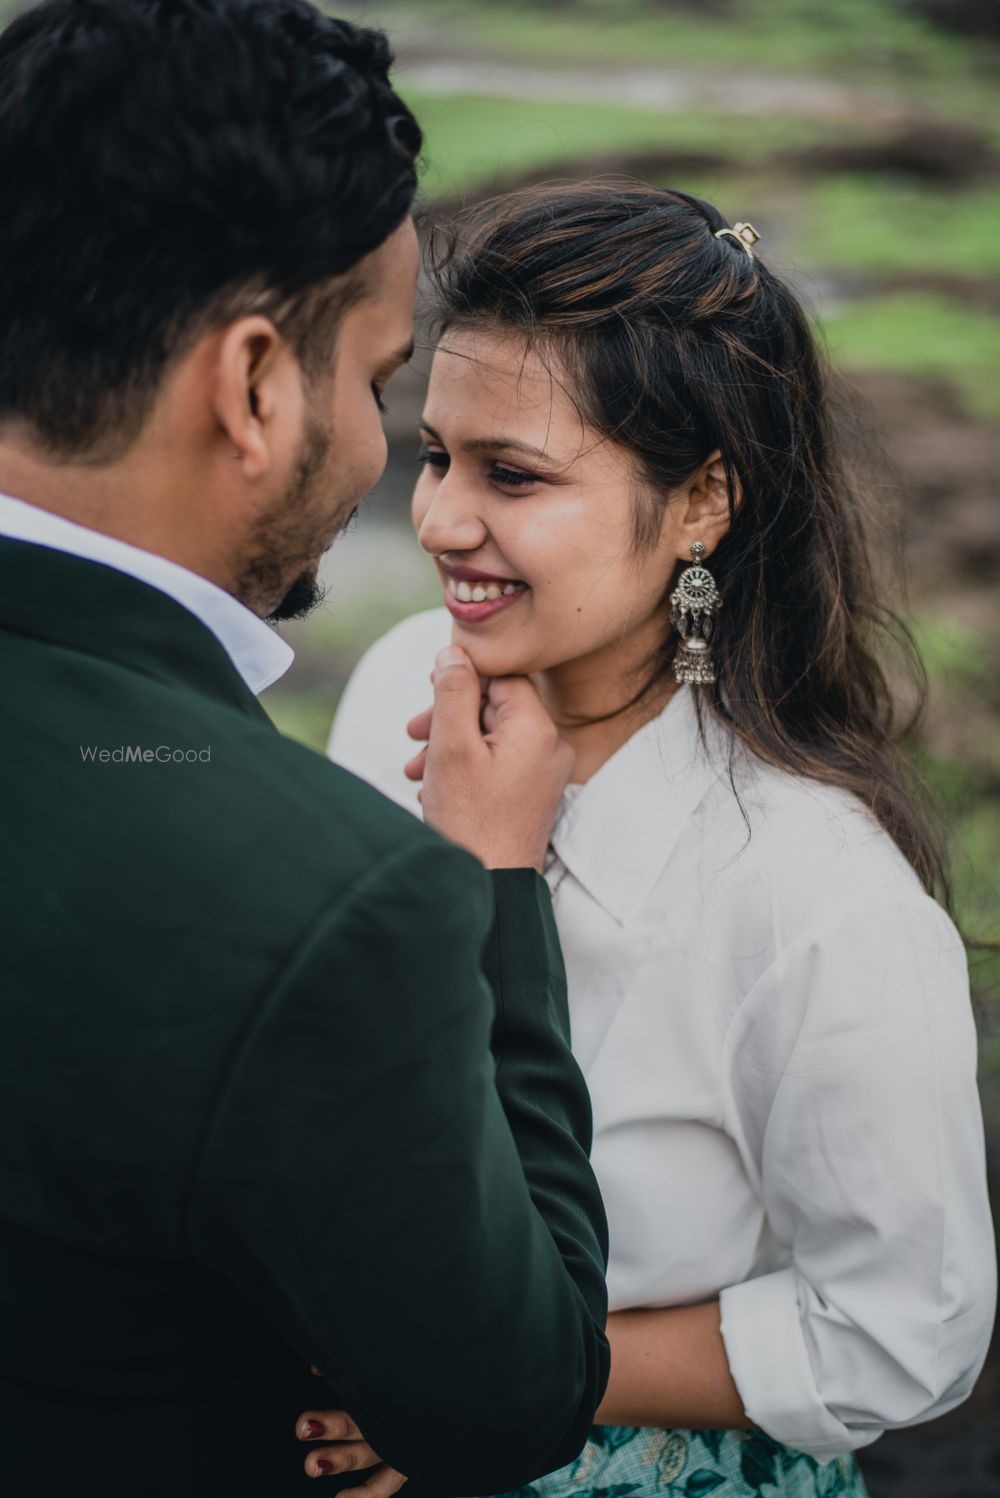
(481, 592)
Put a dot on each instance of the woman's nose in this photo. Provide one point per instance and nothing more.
(450, 521)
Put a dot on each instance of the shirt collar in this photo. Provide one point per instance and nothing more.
(258, 653)
(617, 832)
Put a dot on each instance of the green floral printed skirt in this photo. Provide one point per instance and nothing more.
(630, 1462)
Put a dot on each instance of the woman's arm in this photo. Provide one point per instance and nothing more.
(852, 1067)
(669, 1368)
(854, 1073)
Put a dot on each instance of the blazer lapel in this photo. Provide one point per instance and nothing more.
(87, 606)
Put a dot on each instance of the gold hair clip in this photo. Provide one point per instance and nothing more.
(744, 234)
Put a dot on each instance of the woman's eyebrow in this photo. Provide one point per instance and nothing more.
(487, 444)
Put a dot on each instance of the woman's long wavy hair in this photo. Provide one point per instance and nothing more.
(674, 343)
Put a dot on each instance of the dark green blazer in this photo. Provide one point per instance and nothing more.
(284, 1078)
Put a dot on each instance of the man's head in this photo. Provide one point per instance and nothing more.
(206, 265)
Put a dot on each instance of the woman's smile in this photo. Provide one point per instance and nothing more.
(472, 596)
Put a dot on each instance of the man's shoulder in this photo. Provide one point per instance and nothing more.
(314, 821)
(255, 810)
(304, 839)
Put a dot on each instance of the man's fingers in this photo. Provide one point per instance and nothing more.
(516, 696)
(420, 726)
(514, 700)
(457, 699)
(383, 1484)
(484, 682)
(515, 708)
(351, 1456)
(327, 1425)
(414, 768)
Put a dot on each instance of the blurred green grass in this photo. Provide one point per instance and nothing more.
(876, 222)
(306, 716)
(922, 333)
(868, 39)
(964, 784)
(477, 140)
(843, 225)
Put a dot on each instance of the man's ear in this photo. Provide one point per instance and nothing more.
(704, 515)
(259, 401)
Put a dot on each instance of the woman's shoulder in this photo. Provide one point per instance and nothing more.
(814, 849)
(819, 919)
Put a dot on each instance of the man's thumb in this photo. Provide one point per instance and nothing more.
(514, 699)
(457, 697)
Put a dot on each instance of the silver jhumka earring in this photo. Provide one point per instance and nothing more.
(693, 604)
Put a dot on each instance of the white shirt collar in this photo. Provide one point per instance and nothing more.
(257, 652)
(618, 830)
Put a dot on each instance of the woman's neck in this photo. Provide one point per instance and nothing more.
(589, 688)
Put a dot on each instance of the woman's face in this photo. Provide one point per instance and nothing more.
(529, 514)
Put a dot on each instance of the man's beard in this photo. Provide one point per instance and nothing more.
(287, 531)
(305, 594)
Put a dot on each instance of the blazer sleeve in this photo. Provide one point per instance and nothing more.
(415, 1217)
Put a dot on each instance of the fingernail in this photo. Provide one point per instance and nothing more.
(323, 1469)
(451, 655)
(310, 1429)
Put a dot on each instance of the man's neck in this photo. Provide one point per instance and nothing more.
(115, 499)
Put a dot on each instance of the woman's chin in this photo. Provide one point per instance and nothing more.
(490, 657)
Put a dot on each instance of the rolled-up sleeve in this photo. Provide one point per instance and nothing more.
(851, 1088)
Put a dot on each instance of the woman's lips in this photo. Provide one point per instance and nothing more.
(475, 613)
(473, 575)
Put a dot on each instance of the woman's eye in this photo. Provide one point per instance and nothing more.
(511, 478)
(507, 478)
(378, 399)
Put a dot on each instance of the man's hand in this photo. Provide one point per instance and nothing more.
(351, 1452)
(492, 771)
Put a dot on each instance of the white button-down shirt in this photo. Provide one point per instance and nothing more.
(774, 1021)
(259, 655)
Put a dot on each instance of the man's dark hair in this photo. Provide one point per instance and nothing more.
(166, 165)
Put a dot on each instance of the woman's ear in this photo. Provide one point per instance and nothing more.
(704, 515)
